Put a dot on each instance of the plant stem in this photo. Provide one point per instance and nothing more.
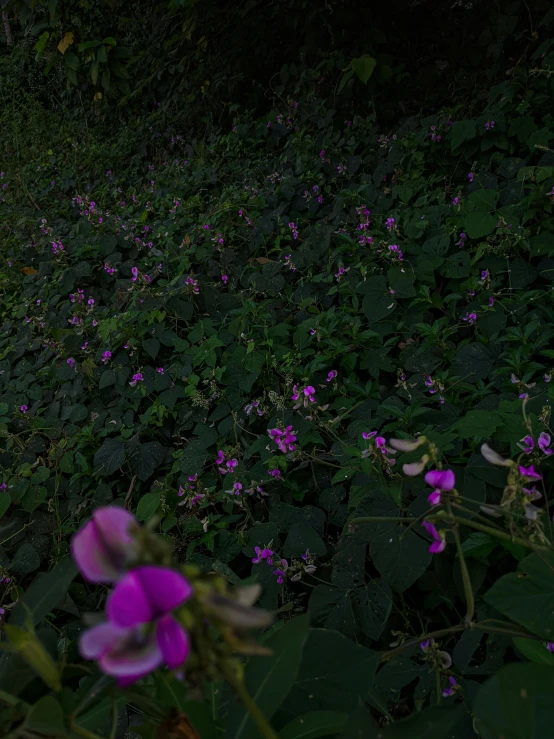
(373, 519)
(438, 683)
(255, 714)
(500, 534)
(466, 580)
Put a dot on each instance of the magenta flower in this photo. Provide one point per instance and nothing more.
(280, 572)
(544, 444)
(550, 646)
(439, 543)
(455, 201)
(470, 176)
(136, 378)
(71, 362)
(124, 645)
(224, 279)
(236, 489)
(283, 439)
(368, 435)
(275, 473)
(529, 473)
(527, 444)
(104, 545)
(160, 370)
(449, 691)
(23, 408)
(106, 356)
(442, 481)
(307, 392)
(470, 318)
(331, 375)
(262, 554)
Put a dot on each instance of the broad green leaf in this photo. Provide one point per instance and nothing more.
(436, 722)
(462, 131)
(516, 703)
(400, 556)
(144, 459)
(5, 501)
(147, 506)
(363, 67)
(534, 651)
(44, 594)
(269, 679)
(478, 425)
(302, 537)
(25, 560)
(46, 717)
(378, 302)
(477, 225)
(110, 457)
(527, 596)
(314, 724)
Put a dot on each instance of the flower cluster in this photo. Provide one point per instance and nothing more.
(304, 396)
(225, 465)
(283, 438)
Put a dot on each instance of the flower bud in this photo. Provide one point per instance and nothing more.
(407, 445)
(415, 468)
(494, 458)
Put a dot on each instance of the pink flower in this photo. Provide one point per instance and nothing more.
(331, 375)
(106, 356)
(441, 480)
(104, 545)
(529, 473)
(283, 439)
(527, 444)
(544, 443)
(262, 554)
(450, 690)
(23, 408)
(124, 645)
(455, 201)
(224, 279)
(275, 473)
(160, 370)
(71, 362)
(280, 572)
(470, 176)
(368, 435)
(136, 378)
(439, 542)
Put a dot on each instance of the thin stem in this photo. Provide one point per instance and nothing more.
(466, 580)
(500, 534)
(424, 637)
(81, 731)
(255, 714)
(438, 684)
(373, 519)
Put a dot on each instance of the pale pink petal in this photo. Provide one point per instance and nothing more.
(114, 524)
(414, 468)
(91, 558)
(128, 604)
(406, 445)
(493, 457)
(437, 547)
(99, 639)
(173, 641)
(165, 589)
(134, 659)
(434, 497)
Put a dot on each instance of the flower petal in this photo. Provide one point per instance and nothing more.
(128, 604)
(430, 529)
(173, 641)
(114, 524)
(165, 589)
(414, 468)
(98, 640)
(91, 558)
(133, 659)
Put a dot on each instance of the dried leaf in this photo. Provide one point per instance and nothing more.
(66, 41)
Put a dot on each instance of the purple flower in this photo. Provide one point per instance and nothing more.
(544, 443)
(470, 318)
(224, 279)
(262, 554)
(527, 444)
(106, 356)
(236, 489)
(439, 542)
(368, 435)
(275, 473)
(455, 200)
(283, 439)
(442, 481)
(280, 572)
(104, 545)
(160, 370)
(470, 176)
(136, 378)
(125, 646)
(71, 362)
(449, 691)
(23, 408)
(331, 375)
(425, 644)
(484, 274)
(491, 301)
(529, 473)
(550, 646)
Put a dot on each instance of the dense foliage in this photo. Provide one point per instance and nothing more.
(230, 331)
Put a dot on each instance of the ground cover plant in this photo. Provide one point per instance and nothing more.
(275, 414)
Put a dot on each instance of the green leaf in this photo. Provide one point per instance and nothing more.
(269, 679)
(534, 651)
(378, 303)
(46, 717)
(302, 537)
(516, 703)
(462, 131)
(478, 425)
(527, 597)
(361, 725)
(193, 458)
(478, 225)
(324, 682)
(44, 594)
(144, 459)
(152, 347)
(437, 721)
(25, 560)
(400, 556)
(363, 67)
(41, 44)
(110, 457)
(5, 501)
(147, 506)
(106, 378)
(485, 200)
(314, 724)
